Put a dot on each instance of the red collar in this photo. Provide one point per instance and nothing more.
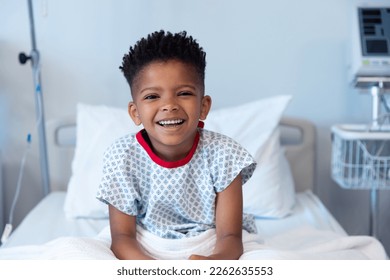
(142, 137)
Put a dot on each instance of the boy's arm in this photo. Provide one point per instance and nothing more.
(228, 223)
(123, 234)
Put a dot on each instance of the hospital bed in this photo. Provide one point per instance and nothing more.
(291, 220)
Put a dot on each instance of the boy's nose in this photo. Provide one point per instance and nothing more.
(170, 106)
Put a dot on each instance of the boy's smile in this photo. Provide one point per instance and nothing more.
(168, 100)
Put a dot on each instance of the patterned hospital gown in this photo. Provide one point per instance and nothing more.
(173, 199)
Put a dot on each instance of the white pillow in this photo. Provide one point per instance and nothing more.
(270, 193)
(97, 128)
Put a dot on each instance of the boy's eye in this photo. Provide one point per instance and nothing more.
(150, 97)
(185, 93)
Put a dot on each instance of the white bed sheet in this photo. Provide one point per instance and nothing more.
(308, 211)
(47, 221)
(309, 233)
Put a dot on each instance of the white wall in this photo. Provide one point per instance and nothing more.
(254, 49)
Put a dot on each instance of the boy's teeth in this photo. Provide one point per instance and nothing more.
(170, 122)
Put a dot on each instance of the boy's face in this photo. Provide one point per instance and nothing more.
(169, 101)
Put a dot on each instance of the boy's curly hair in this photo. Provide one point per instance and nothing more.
(163, 46)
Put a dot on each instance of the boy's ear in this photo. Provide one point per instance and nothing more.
(133, 113)
(206, 106)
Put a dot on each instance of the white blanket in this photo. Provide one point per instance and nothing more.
(303, 244)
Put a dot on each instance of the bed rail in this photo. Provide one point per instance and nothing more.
(298, 136)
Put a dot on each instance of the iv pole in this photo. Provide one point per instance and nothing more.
(34, 57)
(376, 90)
(377, 86)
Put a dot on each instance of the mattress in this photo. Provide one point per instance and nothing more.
(308, 211)
(47, 221)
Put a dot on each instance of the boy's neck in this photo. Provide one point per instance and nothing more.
(171, 154)
(170, 158)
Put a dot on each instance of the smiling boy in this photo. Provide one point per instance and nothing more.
(169, 100)
(173, 179)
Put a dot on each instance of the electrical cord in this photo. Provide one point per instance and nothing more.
(385, 103)
(8, 227)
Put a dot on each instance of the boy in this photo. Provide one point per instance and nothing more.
(173, 178)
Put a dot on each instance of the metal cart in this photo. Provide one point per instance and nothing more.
(361, 153)
(361, 160)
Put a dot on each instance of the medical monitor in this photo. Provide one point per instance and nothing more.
(371, 44)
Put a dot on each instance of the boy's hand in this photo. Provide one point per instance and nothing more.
(199, 257)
